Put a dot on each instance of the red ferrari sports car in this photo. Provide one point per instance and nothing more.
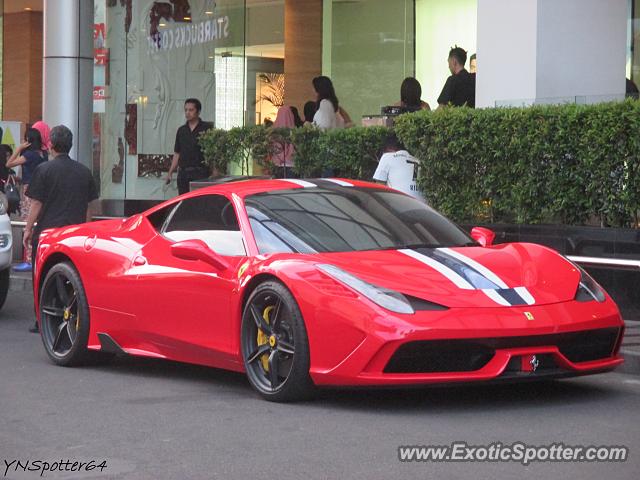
(306, 283)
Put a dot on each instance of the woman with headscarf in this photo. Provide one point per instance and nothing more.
(282, 158)
(29, 155)
(45, 131)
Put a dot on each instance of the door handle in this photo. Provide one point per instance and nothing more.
(139, 260)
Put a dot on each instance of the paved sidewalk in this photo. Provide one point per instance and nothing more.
(20, 281)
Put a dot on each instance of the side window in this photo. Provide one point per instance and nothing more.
(210, 218)
(158, 218)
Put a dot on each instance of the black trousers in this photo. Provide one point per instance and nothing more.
(34, 249)
(190, 174)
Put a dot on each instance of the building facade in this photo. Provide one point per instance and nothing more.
(118, 71)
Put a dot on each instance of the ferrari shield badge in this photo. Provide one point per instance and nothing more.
(243, 269)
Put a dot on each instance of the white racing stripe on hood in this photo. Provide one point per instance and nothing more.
(496, 297)
(503, 295)
(302, 183)
(443, 269)
(473, 264)
(522, 291)
(526, 296)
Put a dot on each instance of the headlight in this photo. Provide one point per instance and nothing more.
(588, 289)
(393, 301)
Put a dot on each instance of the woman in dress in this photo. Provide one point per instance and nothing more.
(28, 155)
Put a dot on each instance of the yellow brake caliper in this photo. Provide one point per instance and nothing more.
(67, 316)
(263, 339)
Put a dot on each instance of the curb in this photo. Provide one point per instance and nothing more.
(631, 365)
(20, 282)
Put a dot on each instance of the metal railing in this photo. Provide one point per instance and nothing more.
(606, 262)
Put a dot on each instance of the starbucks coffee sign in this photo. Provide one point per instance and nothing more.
(189, 34)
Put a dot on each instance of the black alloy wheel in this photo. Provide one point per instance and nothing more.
(64, 316)
(275, 348)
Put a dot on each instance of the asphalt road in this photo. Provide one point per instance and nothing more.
(156, 420)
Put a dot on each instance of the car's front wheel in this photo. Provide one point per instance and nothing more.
(274, 343)
(64, 316)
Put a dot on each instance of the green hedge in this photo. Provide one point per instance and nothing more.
(353, 152)
(570, 164)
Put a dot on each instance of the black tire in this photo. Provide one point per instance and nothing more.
(4, 284)
(277, 343)
(64, 316)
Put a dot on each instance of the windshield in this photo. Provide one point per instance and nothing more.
(313, 220)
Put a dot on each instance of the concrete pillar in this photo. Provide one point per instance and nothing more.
(550, 51)
(302, 49)
(68, 71)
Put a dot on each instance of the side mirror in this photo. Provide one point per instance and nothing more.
(198, 250)
(483, 236)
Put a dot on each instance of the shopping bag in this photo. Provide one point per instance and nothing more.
(12, 193)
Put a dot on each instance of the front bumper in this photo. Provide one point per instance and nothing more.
(505, 342)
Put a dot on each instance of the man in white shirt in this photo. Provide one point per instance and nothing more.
(398, 168)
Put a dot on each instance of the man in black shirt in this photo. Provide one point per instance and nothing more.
(460, 88)
(187, 156)
(60, 191)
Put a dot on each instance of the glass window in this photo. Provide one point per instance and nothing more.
(324, 220)
(441, 24)
(265, 60)
(368, 49)
(210, 218)
(272, 237)
(149, 58)
(206, 212)
(159, 217)
(633, 33)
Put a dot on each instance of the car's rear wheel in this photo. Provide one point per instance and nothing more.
(274, 344)
(64, 316)
(4, 284)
